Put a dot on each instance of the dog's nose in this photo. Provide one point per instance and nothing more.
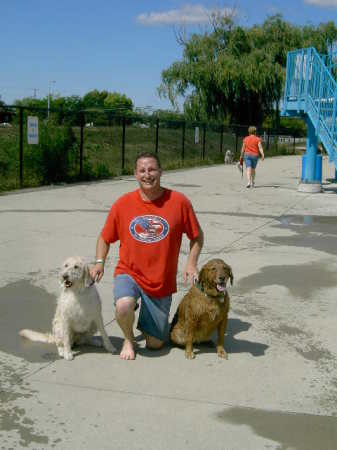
(65, 276)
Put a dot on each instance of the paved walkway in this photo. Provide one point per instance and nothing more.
(277, 390)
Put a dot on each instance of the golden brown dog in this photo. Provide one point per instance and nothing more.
(204, 309)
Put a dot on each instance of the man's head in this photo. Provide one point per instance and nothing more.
(148, 155)
(148, 172)
(252, 130)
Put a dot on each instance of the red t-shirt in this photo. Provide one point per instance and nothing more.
(150, 235)
(252, 145)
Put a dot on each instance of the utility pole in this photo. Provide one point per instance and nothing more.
(35, 91)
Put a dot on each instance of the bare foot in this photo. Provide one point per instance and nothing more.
(127, 351)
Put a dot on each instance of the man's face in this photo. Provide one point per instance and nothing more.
(148, 174)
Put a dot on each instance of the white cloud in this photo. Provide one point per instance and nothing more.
(322, 3)
(187, 15)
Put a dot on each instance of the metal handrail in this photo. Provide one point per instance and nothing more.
(311, 90)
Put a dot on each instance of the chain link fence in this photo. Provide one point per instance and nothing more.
(99, 144)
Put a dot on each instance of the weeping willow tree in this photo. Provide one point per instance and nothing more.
(237, 74)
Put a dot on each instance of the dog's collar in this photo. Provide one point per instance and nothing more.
(198, 285)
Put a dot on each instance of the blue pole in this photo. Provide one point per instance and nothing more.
(309, 173)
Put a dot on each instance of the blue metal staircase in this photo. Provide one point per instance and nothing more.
(311, 94)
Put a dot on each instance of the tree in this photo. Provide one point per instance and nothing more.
(119, 103)
(68, 109)
(94, 99)
(236, 73)
(62, 109)
(32, 102)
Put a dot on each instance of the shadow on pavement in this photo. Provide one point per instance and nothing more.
(232, 344)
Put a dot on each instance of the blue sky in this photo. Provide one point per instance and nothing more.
(73, 46)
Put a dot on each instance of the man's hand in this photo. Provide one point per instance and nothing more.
(190, 274)
(97, 272)
(102, 249)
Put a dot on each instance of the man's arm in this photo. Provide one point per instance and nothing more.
(102, 250)
(191, 271)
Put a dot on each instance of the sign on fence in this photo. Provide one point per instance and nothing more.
(196, 135)
(32, 130)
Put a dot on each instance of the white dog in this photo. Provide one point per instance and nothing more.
(229, 157)
(78, 313)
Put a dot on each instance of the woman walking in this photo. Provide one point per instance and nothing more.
(251, 151)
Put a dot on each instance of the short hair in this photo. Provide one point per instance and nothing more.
(252, 130)
(148, 155)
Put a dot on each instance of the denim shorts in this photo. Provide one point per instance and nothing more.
(251, 161)
(153, 313)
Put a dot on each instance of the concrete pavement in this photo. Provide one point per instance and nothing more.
(277, 390)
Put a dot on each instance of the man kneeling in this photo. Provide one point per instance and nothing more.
(149, 224)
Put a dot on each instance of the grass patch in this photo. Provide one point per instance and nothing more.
(57, 157)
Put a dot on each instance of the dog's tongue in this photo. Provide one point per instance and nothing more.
(220, 288)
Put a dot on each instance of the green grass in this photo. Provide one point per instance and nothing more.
(102, 152)
(103, 146)
(9, 158)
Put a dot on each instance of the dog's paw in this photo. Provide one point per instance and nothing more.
(110, 348)
(222, 353)
(68, 356)
(189, 355)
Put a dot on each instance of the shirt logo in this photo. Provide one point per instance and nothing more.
(149, 229)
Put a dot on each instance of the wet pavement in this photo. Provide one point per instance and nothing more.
(277, 390)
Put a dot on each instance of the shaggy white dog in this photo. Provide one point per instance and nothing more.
(229, 157)
(78, 314)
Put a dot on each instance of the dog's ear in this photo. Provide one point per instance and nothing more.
(202, 277)
(86, 274)
(231, 276)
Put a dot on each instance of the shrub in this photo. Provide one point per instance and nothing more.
(4, 164)
(88, 170)
(56, 153)
(102, 171)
